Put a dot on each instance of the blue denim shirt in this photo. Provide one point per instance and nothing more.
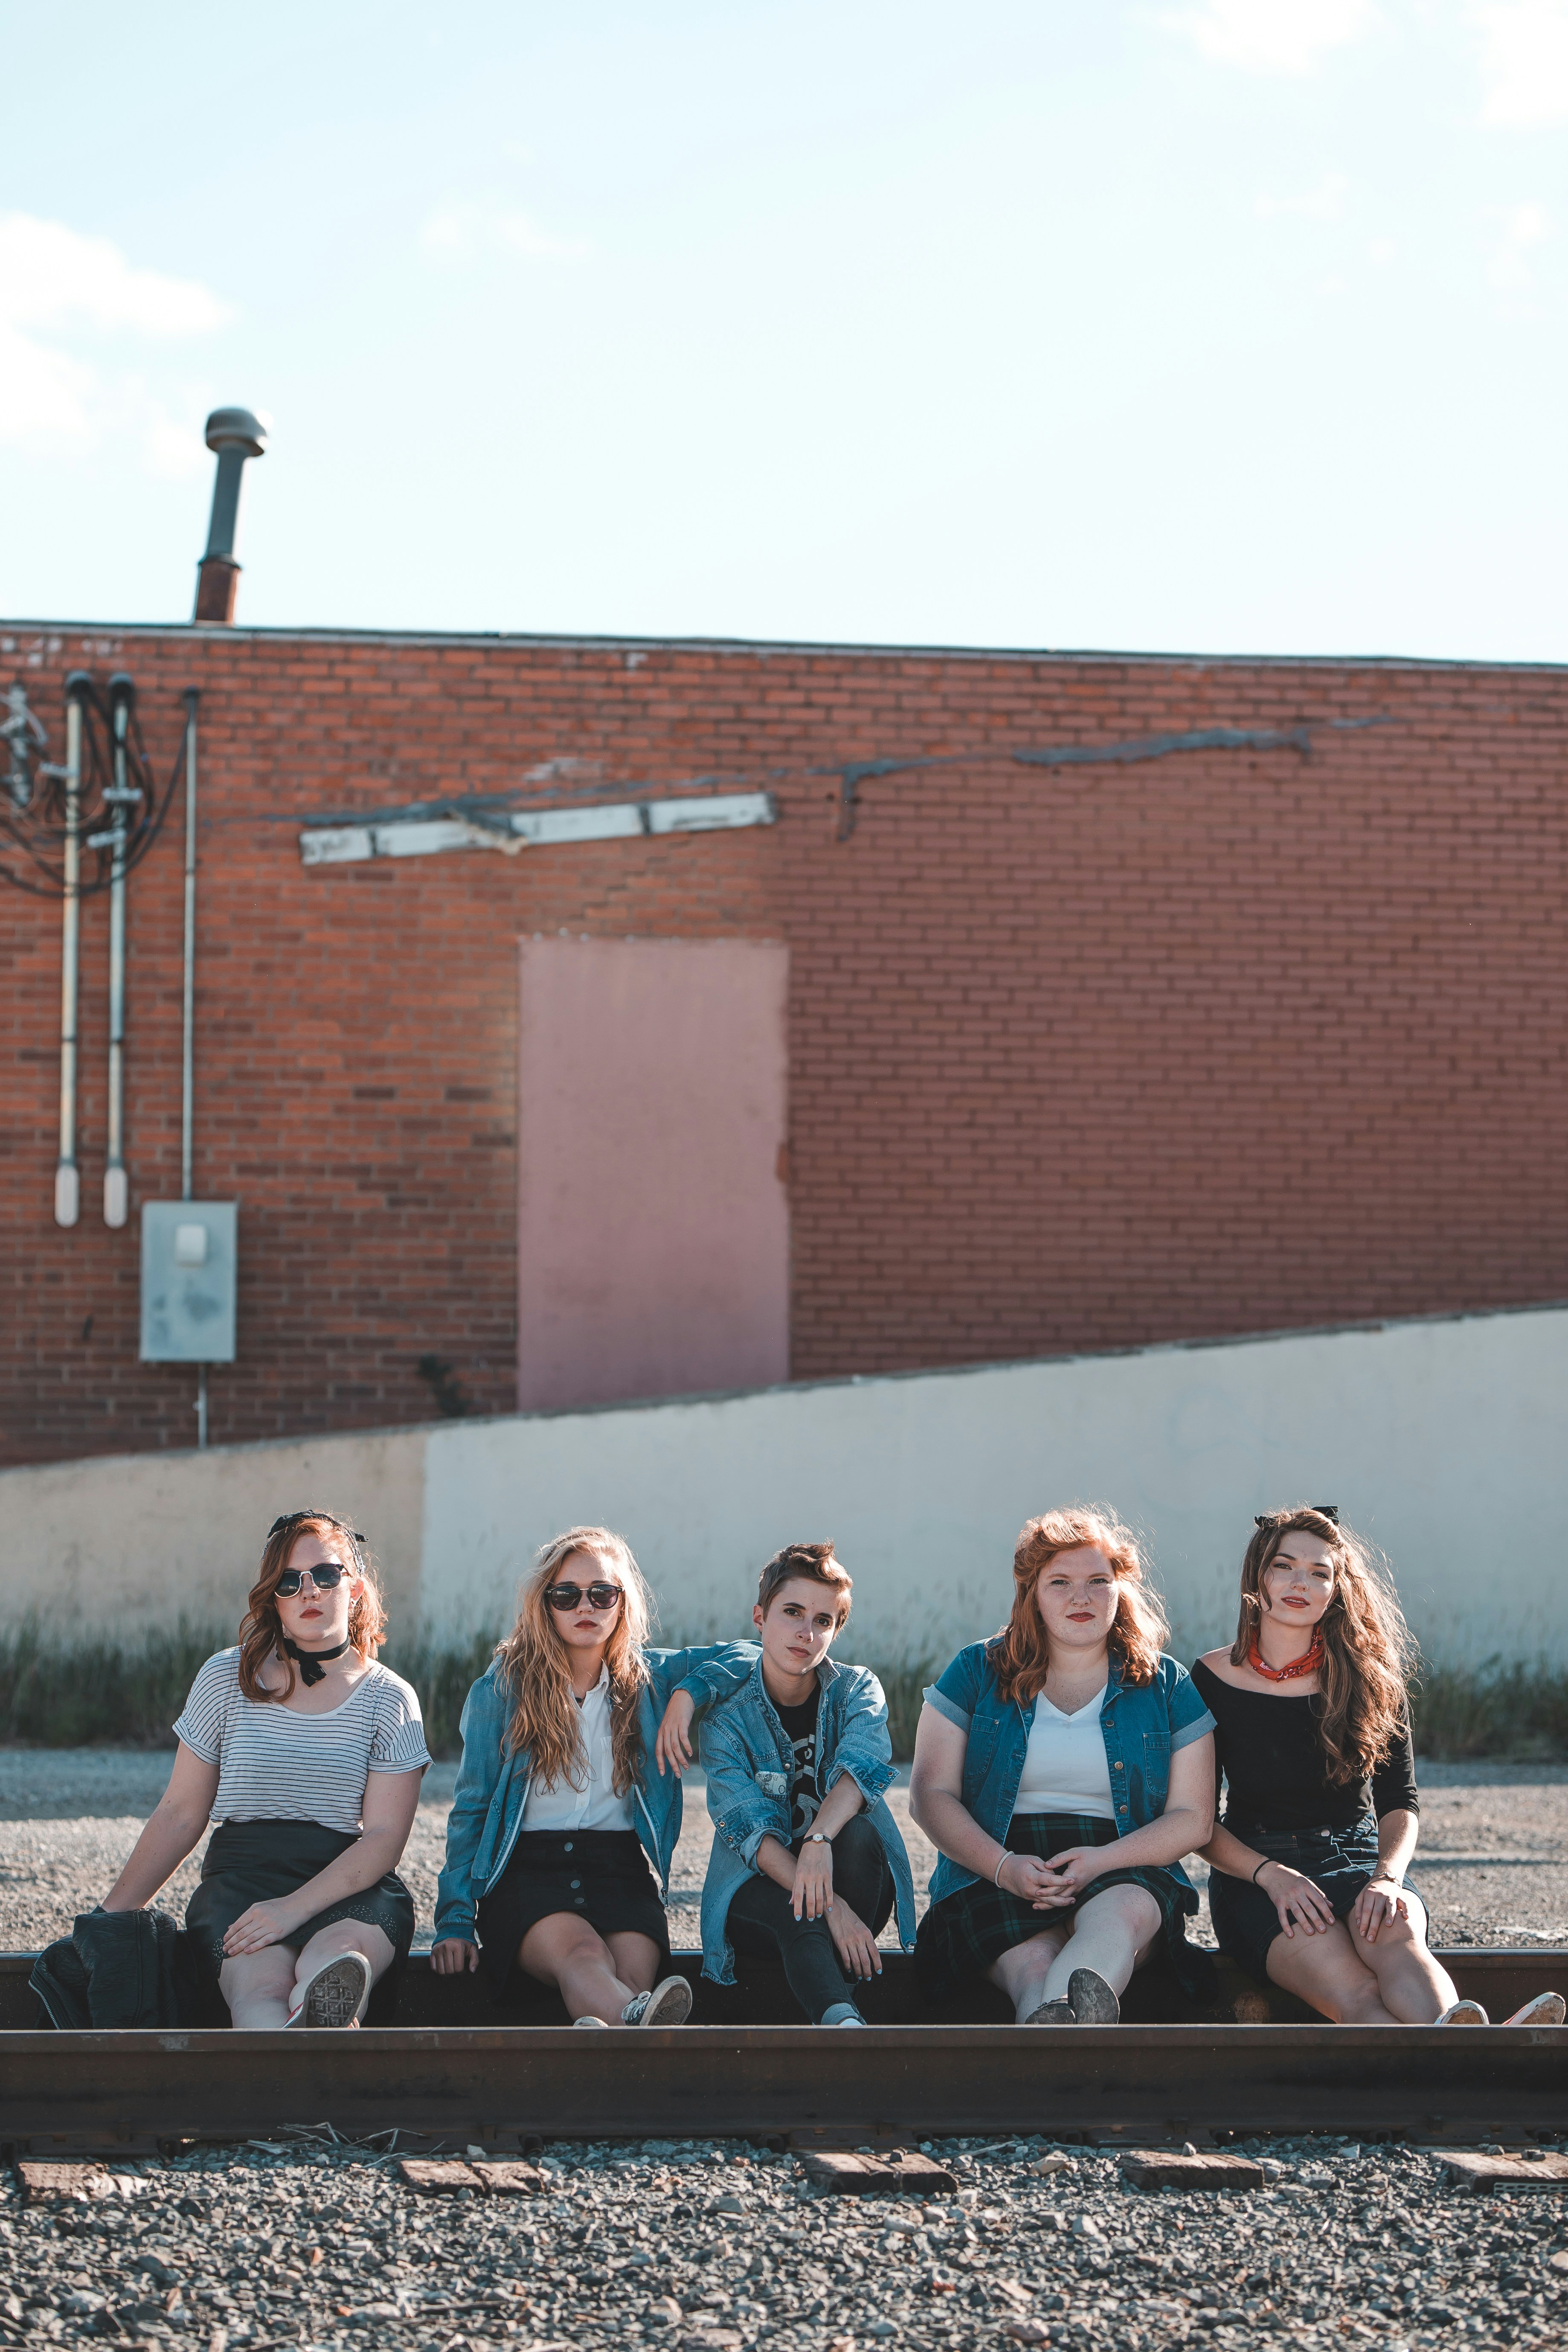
(492, 1780)
(1142, 1725)
(748, 1759)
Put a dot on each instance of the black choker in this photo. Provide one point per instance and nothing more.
(311, 1662)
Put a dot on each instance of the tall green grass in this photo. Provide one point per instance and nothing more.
(102, 1691)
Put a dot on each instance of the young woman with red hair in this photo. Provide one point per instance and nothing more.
(1308, 1888)
(1062, 1768)
(307, 1753)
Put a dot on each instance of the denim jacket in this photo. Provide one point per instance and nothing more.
(492, 1780)
(1142, 1725)
(748, 1760)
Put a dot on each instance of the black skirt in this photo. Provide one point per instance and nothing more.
(599, 1875)
(964, 1934)
(1339, 1862)
(257, 1862)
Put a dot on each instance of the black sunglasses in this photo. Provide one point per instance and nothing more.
(567, 1596)
(325, 1578)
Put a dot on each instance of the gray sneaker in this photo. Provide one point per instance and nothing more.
(669, 2003)
(336, 1995)
(1093, 2000)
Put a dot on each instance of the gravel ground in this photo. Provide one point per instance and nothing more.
(1492, 1863)
(713, 2245)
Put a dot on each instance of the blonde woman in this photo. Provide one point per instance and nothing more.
(1308, 1889)
(556, 1818)
(1062, 1768)
(307, 1753)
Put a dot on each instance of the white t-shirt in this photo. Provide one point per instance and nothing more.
(276, 1765)
(588, 1801)
(1065, 1765)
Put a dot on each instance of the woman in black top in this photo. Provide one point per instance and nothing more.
(1313, 1740)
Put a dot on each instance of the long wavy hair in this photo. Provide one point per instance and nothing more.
(1368, 1652)
(261, 1633)
(1020, 1655)
(536, 1663)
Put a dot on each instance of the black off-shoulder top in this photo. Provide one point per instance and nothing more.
(1268, 1750)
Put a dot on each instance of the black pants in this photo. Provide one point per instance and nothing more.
(762, 1922)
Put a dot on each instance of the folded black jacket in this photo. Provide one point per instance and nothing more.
(120, 1968)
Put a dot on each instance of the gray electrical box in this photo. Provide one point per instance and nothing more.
(190, 1260)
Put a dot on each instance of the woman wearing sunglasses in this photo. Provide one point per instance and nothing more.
(555, 1818)
(307, 1753)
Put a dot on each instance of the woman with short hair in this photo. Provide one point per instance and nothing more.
(1308, 1888)
(307, 1753)
(555, 1817)
(1062, 1768)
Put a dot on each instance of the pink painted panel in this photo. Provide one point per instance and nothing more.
(653, 1223)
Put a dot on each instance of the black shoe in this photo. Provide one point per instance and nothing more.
(1093, 2001)
(1052, 2013)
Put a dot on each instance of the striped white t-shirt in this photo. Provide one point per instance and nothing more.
(275, 1765)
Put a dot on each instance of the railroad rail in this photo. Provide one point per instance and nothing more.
(451, 2068)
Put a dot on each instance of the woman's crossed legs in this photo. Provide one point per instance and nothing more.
(596, 1975)
(260, 1987)
(1112, 1933)
(1393, 1981)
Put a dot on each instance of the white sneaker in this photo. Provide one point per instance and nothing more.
(669, 2003)
(592, 2020)
(336, 1994)
(1546, 2009)
(1463, 2012)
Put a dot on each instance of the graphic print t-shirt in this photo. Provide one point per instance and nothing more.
(804, 1796)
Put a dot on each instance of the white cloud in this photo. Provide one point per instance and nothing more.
(462, 231)
(1272, 36)
(1511, 271)
(1524, 60)
(1325, 202)
(53, 283)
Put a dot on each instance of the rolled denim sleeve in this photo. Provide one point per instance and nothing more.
(709, 1671)
(1187, 1716)
(957, 1689)
(864, 1750)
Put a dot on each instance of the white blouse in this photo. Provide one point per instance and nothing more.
(1065, 1765)
(588, 1801)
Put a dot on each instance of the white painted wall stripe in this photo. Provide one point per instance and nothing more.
(344, 845)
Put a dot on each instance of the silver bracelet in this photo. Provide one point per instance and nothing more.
(997, 1880)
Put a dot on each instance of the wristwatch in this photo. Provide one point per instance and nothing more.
(816, 1837)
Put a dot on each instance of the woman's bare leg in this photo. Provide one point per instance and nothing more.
(1410, 1983)
(1327, 1972)
(1111, 1933)
(636, 1959)
(259, 1987)
(1021, 1973)
(566, 1952)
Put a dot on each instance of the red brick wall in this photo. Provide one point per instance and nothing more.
(1082, 1055)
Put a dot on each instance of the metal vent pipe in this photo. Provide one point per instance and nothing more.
(233, 434)
(122, 797)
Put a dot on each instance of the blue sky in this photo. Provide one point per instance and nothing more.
(1208, 325)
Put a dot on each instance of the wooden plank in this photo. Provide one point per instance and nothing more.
(438, 2178)
(46, 2183)
(1544, 2169)
(1165, 2168)
(872, 2176)
(504, 2178)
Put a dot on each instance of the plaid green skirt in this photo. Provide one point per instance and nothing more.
(967, 1931)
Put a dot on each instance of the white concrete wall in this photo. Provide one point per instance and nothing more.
(1443, 1440)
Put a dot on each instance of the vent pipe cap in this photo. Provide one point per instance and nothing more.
(236, 428)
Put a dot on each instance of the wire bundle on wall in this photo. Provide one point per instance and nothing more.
(36, 829)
